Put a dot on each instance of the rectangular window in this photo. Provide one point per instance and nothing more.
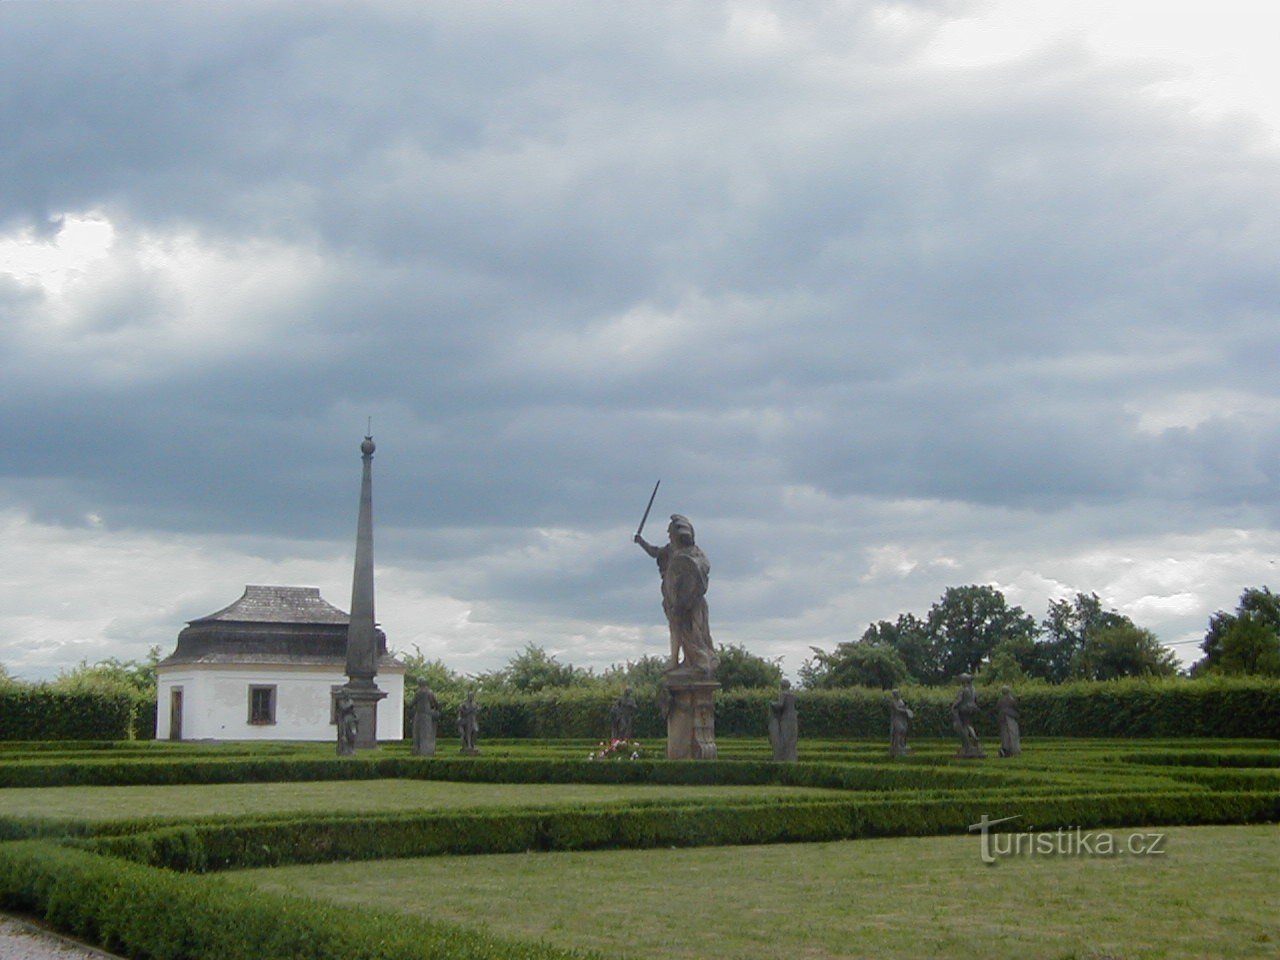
(262, 704)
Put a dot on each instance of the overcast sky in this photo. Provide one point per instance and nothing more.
(892, 296)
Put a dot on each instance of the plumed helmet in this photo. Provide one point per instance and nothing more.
(680, 520)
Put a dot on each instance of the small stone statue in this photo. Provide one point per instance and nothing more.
(622, 714)
(963, 711)
(900, 716)
(426, 716)
(685, 572)
(348, 725)
(784, 726)
(1007, 713)
(469, 723)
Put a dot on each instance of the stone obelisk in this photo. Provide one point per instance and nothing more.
(362, 635)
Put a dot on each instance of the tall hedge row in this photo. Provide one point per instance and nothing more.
(1210, 707)
(43, 713)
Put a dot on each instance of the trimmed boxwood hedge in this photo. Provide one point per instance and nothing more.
(841, 776)
(141, 911)
(43, 713)
(1206, 707)
(247, 842)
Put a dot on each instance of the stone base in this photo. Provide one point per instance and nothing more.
(691, 717)
(366, 700)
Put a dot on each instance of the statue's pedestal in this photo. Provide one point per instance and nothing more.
(691, 716)
(365, 699)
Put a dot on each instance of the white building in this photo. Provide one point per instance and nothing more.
(265, 668)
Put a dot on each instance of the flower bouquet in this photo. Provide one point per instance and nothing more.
(617, 750)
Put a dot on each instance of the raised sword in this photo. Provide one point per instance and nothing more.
(640, 529)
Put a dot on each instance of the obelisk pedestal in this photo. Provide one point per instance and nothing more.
(365, 700)
(691, 715)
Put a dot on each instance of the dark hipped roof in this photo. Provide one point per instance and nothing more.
(270, 625)
(263, 604)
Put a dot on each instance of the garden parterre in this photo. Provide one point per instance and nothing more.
(101, 876)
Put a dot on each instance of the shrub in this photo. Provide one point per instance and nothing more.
(47, 713)
(246, 843)
(144, 912)
(1132, 707)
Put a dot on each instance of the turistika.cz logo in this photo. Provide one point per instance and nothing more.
(1063, 842)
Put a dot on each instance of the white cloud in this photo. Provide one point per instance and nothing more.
(127, 305)
(50, 264)
(1220, 60)
(1189, 409)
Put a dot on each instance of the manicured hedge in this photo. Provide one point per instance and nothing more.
(43, 713)
(248, 843)
(144, 719)
(841, 776)
(1207, 707)
(141, 911)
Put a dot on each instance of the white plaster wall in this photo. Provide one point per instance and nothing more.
(215, 701)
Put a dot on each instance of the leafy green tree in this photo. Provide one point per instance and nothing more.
(739, 669)
(645, 672)
(1003, 666)
(1250, 647)
(1014, 659)
(908, 637)
(137, 677)
(967, 623)
(854, 664)
(8, 680)
(419, 670)
(1123, 651)
(1065, 629)
(534, 669)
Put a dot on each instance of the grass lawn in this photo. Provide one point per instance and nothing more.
(1212, 894)
(345, 796)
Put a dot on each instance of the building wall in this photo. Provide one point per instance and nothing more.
(215, 701)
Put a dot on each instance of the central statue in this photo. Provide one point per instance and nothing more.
(685, 571)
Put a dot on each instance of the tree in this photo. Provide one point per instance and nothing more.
(741, 669)
(418, 670)
(857, 664)
(1251, 645)
(1123, 651)
(968, 622)
(645, 672)
(136, 677)
(1012, 660)
(534, 669)
(909, 638)
(1067, 626)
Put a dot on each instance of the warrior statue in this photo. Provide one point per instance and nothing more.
(684, 570)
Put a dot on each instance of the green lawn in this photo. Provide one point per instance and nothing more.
(344, 796)
(1213, 894)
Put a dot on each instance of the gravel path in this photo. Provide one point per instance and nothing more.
(20, 940)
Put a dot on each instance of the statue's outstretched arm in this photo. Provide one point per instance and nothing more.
(646, 546)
